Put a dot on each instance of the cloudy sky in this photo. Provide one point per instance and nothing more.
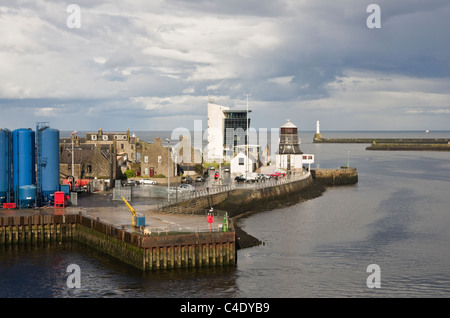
(152, 64)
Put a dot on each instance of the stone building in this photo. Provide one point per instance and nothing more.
(121, 142)
(157, 159)
(98, 155)
(186, 156)
(89, 161)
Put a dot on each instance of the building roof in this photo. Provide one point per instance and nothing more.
(288, 124)
(236, 111)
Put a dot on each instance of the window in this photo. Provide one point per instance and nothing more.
(241, 161)
(105, 137)
(145, 159)
(93, 137)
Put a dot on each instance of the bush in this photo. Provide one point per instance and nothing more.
(159, 176)
(130, 173)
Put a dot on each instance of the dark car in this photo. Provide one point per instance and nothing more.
(239, 179)
(131, 183)
(200, 179)
(187, 180)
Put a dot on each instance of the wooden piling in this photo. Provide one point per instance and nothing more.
(141, 251)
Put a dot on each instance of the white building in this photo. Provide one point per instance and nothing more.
(227, 128)
(216, 118)
(239, 162)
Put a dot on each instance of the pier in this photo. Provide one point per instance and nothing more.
(438, 141)
(149, 251)
(405, 144)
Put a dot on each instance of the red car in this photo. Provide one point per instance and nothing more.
(276, 174)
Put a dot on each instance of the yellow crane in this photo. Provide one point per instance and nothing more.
(139, 218)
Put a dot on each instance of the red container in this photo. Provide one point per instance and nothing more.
(59, 198)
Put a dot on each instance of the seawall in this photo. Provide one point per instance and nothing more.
(145, 252)
(255, 199)
(243, 200)
(409, 147)
(381, 140)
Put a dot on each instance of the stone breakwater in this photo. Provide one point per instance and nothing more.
(412, 144)
(380, 140)
(409, 147)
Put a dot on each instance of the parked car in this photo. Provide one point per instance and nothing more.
(276, 175)
(226, 169)
(187, 180)
(280, 171)
(149, 182)
(211, 168)
(240, 179)
(253, 177)
(186, 187)
(131, 183)
(200, 179)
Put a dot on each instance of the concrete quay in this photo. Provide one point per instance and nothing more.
(168, 241)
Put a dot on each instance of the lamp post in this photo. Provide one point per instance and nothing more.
(348, 159)
(168, 171)
(73, 174)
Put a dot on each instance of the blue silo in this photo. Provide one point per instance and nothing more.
(23, 165)
(5, 166)
(48, 158)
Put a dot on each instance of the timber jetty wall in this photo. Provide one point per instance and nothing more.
(146, 252)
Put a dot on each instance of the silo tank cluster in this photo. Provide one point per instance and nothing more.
(49, 163)
(5, 166)
(29, 166)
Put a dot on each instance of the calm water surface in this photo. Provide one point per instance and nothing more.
(397, 217)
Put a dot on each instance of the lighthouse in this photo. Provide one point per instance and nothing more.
(317, 135)
(289, 153)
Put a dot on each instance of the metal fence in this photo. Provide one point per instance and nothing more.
(175, 195)
(180, 196)
(287, 179)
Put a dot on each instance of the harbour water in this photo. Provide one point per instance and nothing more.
(397, 217)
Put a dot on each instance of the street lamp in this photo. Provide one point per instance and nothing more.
(348, 159)
(73, 175)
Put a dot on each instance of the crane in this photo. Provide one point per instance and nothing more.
(136, 217)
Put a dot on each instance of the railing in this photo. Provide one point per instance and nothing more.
(286, 179)
(219, 216)
(176, 195)
(181, 196)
